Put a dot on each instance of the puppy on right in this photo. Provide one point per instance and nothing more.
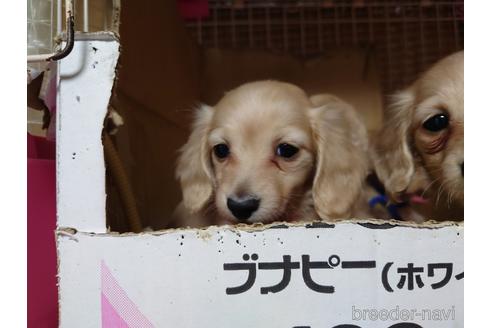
(419, 153)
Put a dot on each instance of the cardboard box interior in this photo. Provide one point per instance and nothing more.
(163, 75)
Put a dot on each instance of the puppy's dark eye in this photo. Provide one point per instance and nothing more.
(436, 123)
(221, 151)
(286, 151)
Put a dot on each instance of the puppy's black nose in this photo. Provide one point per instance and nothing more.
(462, 166)
(242, 209)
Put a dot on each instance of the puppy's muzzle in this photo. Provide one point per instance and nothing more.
(243, 209)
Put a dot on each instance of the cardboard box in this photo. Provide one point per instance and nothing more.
(364, 274)
(312, 275)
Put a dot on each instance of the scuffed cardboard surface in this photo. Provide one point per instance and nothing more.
(167, 273)
(85, 81)
(258, 227)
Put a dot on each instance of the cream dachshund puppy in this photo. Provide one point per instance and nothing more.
(420, 148)
(267, 152)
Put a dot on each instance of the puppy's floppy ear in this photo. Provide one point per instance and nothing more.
(342, 161)
(193, 167)
(391, 155)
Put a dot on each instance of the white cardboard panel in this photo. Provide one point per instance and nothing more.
(85, 81)
(177, 278)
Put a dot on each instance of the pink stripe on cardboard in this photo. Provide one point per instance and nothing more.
(116, 296)
(110, 318)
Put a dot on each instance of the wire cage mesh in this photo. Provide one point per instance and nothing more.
(407, 36)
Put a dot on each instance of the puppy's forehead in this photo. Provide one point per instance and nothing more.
(447, 86)
(444, 83)
(259, 103)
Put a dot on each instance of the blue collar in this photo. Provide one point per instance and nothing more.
(391, 208)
